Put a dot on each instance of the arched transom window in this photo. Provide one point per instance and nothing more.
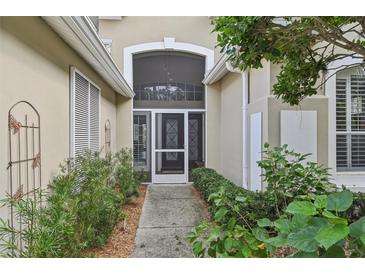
(168, 79)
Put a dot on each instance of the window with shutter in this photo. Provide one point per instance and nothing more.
(94, 118)
(350, 120)
(85, 115)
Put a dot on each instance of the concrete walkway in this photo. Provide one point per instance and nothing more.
(169, 213)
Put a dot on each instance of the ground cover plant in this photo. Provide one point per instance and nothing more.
(77, 211)
(299, 214)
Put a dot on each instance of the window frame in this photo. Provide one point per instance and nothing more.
(349, 132)
(74, 70)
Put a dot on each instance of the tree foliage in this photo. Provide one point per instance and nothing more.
(304, 46)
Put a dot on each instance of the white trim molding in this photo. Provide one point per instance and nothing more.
(218, 71)
(350, 179)
(169, 43)
(245, 131)
(78, 32)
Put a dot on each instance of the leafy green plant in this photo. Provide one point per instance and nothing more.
(79, 209)
(237, 211)
(12, 239)
(256, 205)
(287, 175)
(227, 239)
(98, 208)
(123, 174)
(46, 231)
(316, 227)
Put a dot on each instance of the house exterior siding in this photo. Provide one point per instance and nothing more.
(35, 66)
(231, 144)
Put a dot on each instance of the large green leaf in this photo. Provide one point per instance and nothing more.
(302, 254)
(265, 222)
(219, 215)
(214, 234)
(282, 225)
(228, 244)
(198, 248)
(301, 207)
(328, 236)
(333, 218)
(241, 199)
(362, 239)
(278, 241)
(304, 239)
(335, 251)
(340, 201)
(260, 233)
(320, 201)
(357, 229)
(319, 222)
(300, 221)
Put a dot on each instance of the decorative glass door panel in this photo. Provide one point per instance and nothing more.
(170, 148)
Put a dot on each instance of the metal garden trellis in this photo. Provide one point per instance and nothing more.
(24, 166)
(107, 137)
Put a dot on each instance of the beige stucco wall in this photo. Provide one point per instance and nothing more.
(124, 117)
(132, 30)
(317, 103)
(231, 127)
(213, 120)
(259, 82)
(35, 66)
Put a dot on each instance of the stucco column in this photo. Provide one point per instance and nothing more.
(124, 122)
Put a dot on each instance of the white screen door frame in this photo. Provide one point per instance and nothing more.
(169, 178)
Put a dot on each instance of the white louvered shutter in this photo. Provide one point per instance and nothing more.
(357, 122)
(350, 122)
(86, 113)
(81, 115)
(94, 118)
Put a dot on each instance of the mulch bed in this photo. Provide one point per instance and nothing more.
(121, 241)
(202, 204)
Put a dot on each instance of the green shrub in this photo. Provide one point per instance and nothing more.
(357, 210)
(47, 231)
(287, 175)
(227, 239)
(123, 174)
(256, 205)
(79, 210)
(99, 204)
(241, 215)
(316, 228)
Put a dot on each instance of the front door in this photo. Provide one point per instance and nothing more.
(169, 160)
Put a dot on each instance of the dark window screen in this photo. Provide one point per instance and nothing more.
(166, 79)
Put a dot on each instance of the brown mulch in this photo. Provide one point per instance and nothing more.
(202, 204)
(121, 241)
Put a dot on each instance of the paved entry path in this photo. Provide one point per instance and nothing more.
(169, 213)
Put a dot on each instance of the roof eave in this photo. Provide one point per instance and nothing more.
(79, 33)
(217, 72)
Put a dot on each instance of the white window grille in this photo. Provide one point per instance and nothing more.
(350, 120)
(85, 114)
(140, 140)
